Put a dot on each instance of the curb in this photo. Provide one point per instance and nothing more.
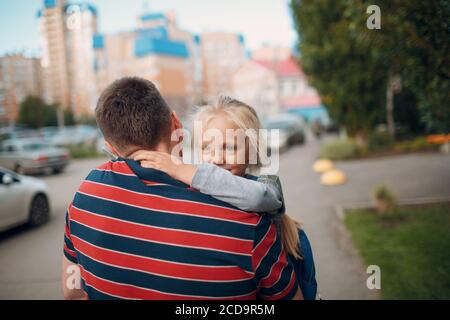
(341, 209)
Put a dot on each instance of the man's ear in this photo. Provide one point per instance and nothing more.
(176, 123)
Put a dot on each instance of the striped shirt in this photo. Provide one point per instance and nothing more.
(139, 234)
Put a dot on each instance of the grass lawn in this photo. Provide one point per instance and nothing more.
(410, 245)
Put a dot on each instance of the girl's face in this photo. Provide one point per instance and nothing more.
(228, 152)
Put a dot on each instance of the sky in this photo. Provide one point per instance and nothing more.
(260, 21)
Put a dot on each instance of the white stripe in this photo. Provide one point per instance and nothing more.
(153, 184)
(168, 293)
(270, 272)
(106, 293)
(158, 274)
(121, 173)
(162, 260)
(265, 254)
(166, 211)
(159, 242)
(162, 228)
(171, 199)
(290, 280)
(257, 246)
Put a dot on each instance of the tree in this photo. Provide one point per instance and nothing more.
(348, 71)
(35, 113)
(351, 65)
(32, 112)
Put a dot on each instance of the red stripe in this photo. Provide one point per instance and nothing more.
(264, 246)
(286, 291)
(164, 268)
(131, 292)
(171, 237)
(119, 167)
(152, 202)
(275, 272)
(70, 252)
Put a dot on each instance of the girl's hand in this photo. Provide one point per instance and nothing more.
(167, 163)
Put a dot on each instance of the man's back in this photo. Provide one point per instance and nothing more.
(139, 234)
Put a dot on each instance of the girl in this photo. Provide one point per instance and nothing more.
(224, 177)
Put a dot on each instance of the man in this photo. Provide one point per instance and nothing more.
(136, 233)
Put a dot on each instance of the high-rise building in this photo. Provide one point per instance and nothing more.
(156, 50)
(67, 31)
(20, 77)
(222, 55)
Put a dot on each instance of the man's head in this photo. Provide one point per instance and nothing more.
(132, 115)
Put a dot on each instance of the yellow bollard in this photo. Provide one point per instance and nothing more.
(333, 178)
(322, 165)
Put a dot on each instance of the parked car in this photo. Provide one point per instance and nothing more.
(74, 136)
(31, 155)
(292, 130)
(16, 132)
(24, 200)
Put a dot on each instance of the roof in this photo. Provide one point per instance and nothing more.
(302, 101)
(284, 68)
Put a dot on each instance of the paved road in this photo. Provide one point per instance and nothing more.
(30, 259)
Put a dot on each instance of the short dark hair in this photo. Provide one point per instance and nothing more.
(132, 112)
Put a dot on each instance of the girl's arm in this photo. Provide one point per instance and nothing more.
(243, 193)
(246, 194)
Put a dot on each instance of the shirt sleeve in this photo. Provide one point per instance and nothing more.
(69, 250)
(274, 273)
(243, 193)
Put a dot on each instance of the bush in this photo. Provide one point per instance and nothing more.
(380, 141)
(339, 150)
(80, 152)
(417, 144)
(384, 199)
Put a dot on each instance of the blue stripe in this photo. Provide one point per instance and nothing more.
(162, 219)
(132, 183)
(280, 285)
(160, 283)
(94, 294)
(165, 252)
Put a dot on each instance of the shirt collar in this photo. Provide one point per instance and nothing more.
(152, 174)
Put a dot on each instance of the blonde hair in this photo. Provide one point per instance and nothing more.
(245, 118)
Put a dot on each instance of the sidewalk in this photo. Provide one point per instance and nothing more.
(340, 270)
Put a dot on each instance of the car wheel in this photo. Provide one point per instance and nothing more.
(39, 211)
(58, 170)
(19, 169)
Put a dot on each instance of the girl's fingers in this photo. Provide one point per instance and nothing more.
(149, 164)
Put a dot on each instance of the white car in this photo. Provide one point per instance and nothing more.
(23, 200)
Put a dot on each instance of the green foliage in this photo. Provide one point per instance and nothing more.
(349, 64)
(380, 141)
(69, 119)
(414, 145)
(339, 150)
(348, 71)
(410, 245)
(34, 113)
(83, 151)
(384, 199)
